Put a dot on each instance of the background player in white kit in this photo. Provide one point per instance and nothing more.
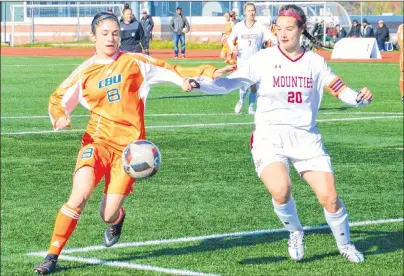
(290, 83)
(250, 35)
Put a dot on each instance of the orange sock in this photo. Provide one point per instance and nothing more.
(65, 223)
(402, 87)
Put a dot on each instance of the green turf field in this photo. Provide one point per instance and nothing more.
(207, 192)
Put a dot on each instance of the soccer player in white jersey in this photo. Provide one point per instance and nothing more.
(290, 82)
(250, 35)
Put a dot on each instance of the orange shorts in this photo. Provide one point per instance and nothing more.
(106, 163)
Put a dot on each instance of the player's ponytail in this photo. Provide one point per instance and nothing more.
(316, 43)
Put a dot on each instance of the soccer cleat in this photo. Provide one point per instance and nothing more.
(350, 253)
(238, 107)
(183, 56)
(47, 266)
(296, 245)
(402, 98)
(113, 232)
(251, 110)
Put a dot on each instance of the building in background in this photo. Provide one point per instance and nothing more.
(62, 21)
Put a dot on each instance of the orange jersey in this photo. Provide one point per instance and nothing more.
(273, 31)
(228, 26)
(400, 39)
(114, 91)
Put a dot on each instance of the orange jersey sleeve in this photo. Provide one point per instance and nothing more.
(203, 70)
(66, 96)
(114, 91)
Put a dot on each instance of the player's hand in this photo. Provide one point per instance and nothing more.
(62, 123)
(364, 95)
(227, 69)
(190, 84)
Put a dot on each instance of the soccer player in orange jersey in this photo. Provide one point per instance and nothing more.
(400, 38)
(228, 26)
(113, 85)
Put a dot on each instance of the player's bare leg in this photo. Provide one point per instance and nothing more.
(67, 218)
(113, 214)
(323, 185)
(277, 181)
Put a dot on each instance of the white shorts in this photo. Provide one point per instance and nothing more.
(302, 148)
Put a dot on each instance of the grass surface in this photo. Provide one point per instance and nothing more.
(207, 184)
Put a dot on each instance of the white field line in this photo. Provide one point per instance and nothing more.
(204, 114)
(207, 237)
(130, 265)
(204, 125)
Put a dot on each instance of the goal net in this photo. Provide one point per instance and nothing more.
(54, 23)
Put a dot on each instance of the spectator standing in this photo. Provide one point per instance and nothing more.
(382, 35)
(179, 27)
(318, 30)
(340, 33)
(355, 30)
(148, 25)
(367, 29)
(132, 33)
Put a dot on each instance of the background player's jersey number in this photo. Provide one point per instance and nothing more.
(295, 97)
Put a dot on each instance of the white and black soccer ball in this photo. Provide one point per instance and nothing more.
(141, 159)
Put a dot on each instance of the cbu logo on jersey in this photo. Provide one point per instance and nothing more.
(110, 81)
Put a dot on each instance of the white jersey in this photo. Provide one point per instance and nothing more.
(289, 91)
(249, 40)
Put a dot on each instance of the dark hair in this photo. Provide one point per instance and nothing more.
(301, 23)
(126, 7)
(355, 21)
(365, 21)
(179, 8)
(101, 16)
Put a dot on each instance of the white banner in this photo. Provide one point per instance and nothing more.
(356, 48)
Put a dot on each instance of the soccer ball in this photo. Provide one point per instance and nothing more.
(141, 159)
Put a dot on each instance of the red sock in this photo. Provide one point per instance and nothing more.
(65, 223)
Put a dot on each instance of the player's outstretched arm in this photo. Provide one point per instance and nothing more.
(225, 85)
(339, 89)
